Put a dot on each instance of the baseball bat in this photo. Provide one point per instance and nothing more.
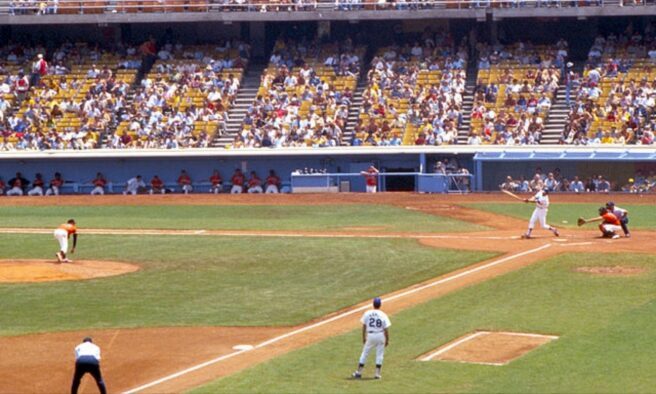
(511, 194)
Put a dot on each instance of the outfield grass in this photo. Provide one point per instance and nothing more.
(215, 281)
(309, 218)
(640, 216)
(605, 324)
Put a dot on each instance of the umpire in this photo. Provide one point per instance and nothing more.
(87, 360)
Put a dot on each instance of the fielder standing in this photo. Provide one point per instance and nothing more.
(87, 360)
(62, 233)
(375, 334)
(541, 200)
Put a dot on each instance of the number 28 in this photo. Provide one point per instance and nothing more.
(373, 322)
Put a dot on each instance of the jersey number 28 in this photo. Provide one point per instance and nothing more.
(373, 322)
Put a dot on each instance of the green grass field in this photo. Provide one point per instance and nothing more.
(640, 216)
(308, 218)
(605, 324)
(215, 281)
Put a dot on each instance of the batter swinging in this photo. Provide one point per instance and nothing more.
(541, 200)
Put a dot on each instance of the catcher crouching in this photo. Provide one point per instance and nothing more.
(610, 224)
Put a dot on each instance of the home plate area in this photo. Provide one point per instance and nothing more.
(488, 347)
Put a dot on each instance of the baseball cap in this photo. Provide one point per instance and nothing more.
(87, 339)
(377, 302)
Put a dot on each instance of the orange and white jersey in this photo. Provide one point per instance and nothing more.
(68, 227)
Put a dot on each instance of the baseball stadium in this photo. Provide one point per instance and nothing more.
(344, 196)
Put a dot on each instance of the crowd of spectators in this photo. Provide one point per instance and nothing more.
(554, 181)
(414, 93)
(304, 96)
(184, 99)
(514, 93)
(613, 101)
(65, 100)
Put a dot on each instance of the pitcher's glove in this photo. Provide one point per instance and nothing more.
(580, 222)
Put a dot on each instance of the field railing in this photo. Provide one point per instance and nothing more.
(50, 7)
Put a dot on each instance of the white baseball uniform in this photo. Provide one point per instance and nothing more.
(61, 236)
(540, 211)
(376, 322)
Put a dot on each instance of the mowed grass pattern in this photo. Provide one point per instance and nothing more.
(640, 216)
(605, 324)
(381, 218)
(245, 281)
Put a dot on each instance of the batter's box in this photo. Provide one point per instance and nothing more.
(489, 348)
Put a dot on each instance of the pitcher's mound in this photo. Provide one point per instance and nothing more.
(489, 348)
(17, 271)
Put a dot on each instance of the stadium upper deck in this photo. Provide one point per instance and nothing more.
(122, 11)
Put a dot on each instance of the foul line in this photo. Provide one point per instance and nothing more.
(337, 317)
(229, 233)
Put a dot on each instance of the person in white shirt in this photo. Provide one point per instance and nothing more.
(134, 184)
(541, 200)
(375, 333)
(87, 360)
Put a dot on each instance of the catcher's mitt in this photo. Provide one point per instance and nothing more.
(580, 222)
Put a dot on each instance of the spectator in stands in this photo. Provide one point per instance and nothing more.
(37, 186)
(2, 186)
(184, 181)
(134, 185)
(576, 185)
(551, 184)
(99, 183)
(39, 70)
(603, 186)
(509, 184)
(55, 185)
(254, 183)
(272, 183)
(17, 185)
(216, 182)
(237, 182)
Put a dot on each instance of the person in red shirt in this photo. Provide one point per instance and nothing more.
(217, 182)
(184, 180)
(16, 185)
(39, 70)
(254, 183)
(2, 187)
(55, 184)
(610, 224)
(371, 178)
(157, 185)
(62, 234)
(99, 183)
(21, 86)
(237, 182)
(37, 186)
(272, 183)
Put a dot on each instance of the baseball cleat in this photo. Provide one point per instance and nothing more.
(628, 235)
(615, 236)
(356, 375)
(59, 257)
(378, 377)
(526, 236)
(556, 233)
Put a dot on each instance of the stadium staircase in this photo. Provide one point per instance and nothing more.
(467, 105)
(354, 113)
(557, 119)
(250, 84)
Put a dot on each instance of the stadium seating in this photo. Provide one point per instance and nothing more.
(304, 97)
(515, 90)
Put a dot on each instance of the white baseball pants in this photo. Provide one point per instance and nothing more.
(374, 340)
(15, 191)
(52, 190)
(62, 237)
(236, 189)
(371, 189)
(539, 214)
(610, 228)
(36, 191)
(98, 190)
(272, 189)
(255, 189)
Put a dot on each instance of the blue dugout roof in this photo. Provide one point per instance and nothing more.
(573, 155)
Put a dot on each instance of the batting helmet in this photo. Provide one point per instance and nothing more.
(602, 210)
(377, 302)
